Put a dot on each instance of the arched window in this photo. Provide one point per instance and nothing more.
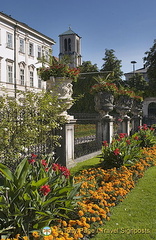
(69, 44)
(65, 44)
(152, 109)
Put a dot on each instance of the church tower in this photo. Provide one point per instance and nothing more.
(70, 45)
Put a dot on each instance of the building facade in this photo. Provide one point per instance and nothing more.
(141, 71)
(21, 47)
(70, 45)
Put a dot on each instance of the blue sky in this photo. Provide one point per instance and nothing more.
(127, 26)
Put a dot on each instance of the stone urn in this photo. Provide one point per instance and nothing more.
(136, 109)
(63, 88)
(104, 102)
(124, 104)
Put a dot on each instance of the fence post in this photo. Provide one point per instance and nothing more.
(126, 125)
(107, 128)
(65, 152)
(136, 122)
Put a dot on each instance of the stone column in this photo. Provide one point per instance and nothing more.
(65, 152)
(136, 122)
(107, 128)
(126, 125)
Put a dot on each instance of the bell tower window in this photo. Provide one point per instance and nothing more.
(69, 44)
(65, 45)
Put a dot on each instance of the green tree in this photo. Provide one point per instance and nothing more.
(137, 83)
(150, 62)
(81, 88)
(112, 64)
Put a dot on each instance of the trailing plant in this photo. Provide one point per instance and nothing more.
(58, 70)
(36, 194)
(104, 85)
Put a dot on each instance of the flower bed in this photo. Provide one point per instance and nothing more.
(100, 191)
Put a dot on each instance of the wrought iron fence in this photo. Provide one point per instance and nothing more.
(149, 120)
(86, 142)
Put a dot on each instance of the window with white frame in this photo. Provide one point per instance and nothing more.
(31, 74)
(39, 83)
(31, 49)
(9, 40)
(21, 47)
(22, 76)
(46, 55)
(39, 52)
(9, 72)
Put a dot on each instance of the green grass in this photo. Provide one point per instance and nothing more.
(135, 217)
(83, 130)
(93, 162)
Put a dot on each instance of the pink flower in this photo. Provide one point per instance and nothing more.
(65, 171)
(122, 135)
(33, 155)
(104, 143)
(44, 163)
(136, 137)
(116, 151)
(45, 189)
(144, 127)
(31, 161)
(128, 142)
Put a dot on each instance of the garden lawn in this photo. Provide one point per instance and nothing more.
(135, 217)
(93, 162)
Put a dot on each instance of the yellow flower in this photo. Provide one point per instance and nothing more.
(80, 213)
(25, 238)
(35, 234)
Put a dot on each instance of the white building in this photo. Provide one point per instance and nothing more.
(141, 71)
(21, 47)
(70, 45)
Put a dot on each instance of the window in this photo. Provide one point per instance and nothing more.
(47, 55)
(9, 40)
(39, 83)
(21, 49)
(39, 50)
(22, 76)
(0, 36)
(69, 44)
(9, 73)
(65, 44)
(31, 49)
(31, 78)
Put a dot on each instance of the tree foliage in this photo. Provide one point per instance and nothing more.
(150, 63)
(112, 64)
(137, 83)
(28, 121)
(81, 88)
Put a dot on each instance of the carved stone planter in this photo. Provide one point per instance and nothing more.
(104, 103)
(124, 105)
(61, 87)
(136, 109)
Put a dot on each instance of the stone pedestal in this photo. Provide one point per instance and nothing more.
(107, 128)
(125, 125)
(136, 122)
(65, 152)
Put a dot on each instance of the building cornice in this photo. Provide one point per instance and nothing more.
(16, 24)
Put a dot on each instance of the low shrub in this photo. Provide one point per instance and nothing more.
(146, 136)
(123, 150)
